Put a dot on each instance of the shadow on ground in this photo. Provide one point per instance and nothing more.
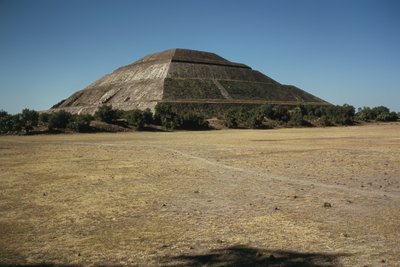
(238, 256)
(249, 256)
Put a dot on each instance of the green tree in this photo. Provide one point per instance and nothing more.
(296, 117)
(44, 117)
(231, 119)
(365, 114)
(59, 120)
(136, 118)
(29, 119)
(106, 113)
(80, 123)
(191, 121)
(166, 116)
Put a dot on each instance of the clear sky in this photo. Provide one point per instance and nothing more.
(341, 51)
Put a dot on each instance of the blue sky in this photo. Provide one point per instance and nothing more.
(341, 51)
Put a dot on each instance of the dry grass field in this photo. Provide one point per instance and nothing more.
(212, 198)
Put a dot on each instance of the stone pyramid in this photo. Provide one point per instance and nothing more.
(184, 77)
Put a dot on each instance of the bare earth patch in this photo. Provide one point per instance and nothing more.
(287, 197)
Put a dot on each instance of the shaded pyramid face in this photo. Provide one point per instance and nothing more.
(184, 76)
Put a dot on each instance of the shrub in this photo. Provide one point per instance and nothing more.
(380, 113)
(107, 114)
(296, 118)
(15, 123)
(29, 119)
(166, 116)
(138, 118)
(231, 119)
(80, 123)
(281, 113)
(340, 114)
(255, 121)
(3, 113)
(365, 114)
(325, 121)
(387, 116)
(44, 117)
(376, 111)
(191, 121)
(6, 122)
(266, 111)
(59, 120)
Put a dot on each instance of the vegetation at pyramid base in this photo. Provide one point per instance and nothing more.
(379, 113)
(170, 117)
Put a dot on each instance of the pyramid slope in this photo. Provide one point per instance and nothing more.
(182, 75)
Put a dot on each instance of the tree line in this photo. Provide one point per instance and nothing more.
(262, 117)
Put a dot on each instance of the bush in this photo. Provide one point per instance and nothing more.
(266, 111)
(59, 120)
(296, 118)
(80, 123)
(380, 113)
(3, 113)
(365, 114)
(15, 123)
(387, 116)
(325, 121)
(10, 123)
(191, 121)
(166, 116)
(281, 113)
(231, 119)
(255, 121)
(339, 114)
(44, 117)
(29, 119)
(107, 114)
(139, 118)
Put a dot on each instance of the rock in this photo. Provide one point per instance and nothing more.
(327, 205)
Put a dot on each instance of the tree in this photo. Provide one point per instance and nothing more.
(106, 113)
(365, 114)
(281, 113)
(376, 111)
(44, 117)
(191, 121)
(29, 119)
(231, 119)
(267, 111)
(166, 116)
(59, 120)
(296, 117)
(80, 123)
(6, 122)
(387, 116)
(136, 118)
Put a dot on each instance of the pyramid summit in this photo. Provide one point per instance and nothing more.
(184, 77)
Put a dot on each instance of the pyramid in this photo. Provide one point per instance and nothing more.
(187, 78)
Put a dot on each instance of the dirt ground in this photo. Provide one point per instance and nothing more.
(286, 197)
